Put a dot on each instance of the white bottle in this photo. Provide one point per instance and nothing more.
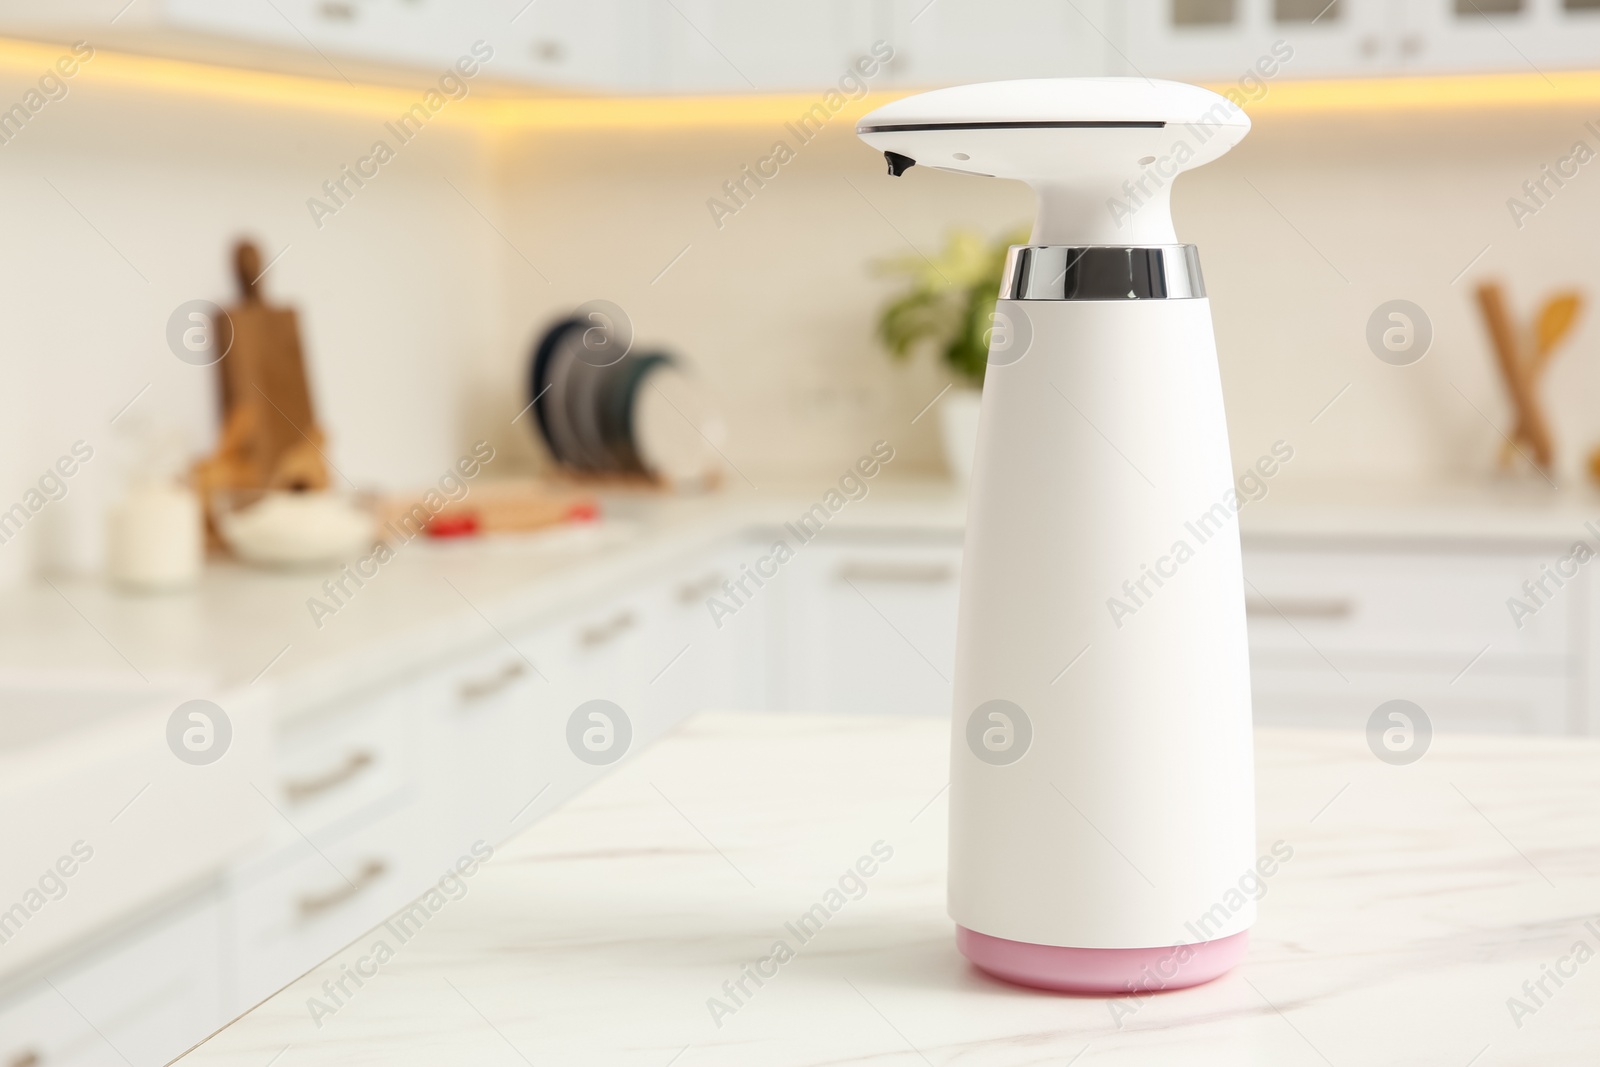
(1101, 787)
(155, 538)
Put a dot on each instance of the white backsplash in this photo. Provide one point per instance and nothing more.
(420, 300)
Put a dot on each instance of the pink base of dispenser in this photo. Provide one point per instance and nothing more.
(1102, 971)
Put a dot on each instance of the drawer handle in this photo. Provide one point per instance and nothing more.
(303, 789)
(1298, 609)
(909, 573)
(473, 691)
(595, 636)
(694, 592)
(312, 906)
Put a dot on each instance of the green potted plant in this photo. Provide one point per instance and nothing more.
(948, 305)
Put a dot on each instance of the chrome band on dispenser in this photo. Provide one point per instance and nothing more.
(1102, 272)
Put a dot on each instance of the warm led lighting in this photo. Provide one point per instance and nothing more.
(1428, 92)
(513, 113)
(644, 112)
(31, 59)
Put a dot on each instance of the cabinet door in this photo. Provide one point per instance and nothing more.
(872, 627)
(760, 45)
(607, 45)
(38, 1027)
(351, 840)
(1249, 43)
(1306, 696)
(1406, 607)
(292, 909)
(424, 33)
(1500, 35)
(948, 42)
(339, 759)
(478, 724)
(607, 652)
(1334, 633)
(147, 996)
(713, 650)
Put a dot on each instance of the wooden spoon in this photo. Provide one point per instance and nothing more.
(1516, 372)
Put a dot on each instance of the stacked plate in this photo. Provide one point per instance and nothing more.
(602, 409)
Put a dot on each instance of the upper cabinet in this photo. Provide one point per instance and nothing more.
(406, 33)
(1224, 40)
(1511, 35)
(586, 45)
(744, 46)
(730, 46)
(1232, 40)
(620, 46)
(949, 42)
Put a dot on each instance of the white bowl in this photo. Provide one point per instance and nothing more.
(296, 529)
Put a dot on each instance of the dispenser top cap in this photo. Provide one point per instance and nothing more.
(1101, 152)
(1061, 103)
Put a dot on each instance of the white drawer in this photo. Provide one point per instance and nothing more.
(478, 723)
(1357, 606)
(298, 913)
(872, 627)
(604, 647)
(38, 1027)
(341, 759)
(1484, 704)
(140, 1000)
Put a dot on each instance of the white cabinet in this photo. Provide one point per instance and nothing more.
(772, 45)
(601, 46)
(762, 46)
(1230, 41)
(350, 841)
(1512, 35)
(1427, 605)
(1220, 40)
(422, 33)
(376, 792)
(139, 1000)
(1336, 632)
(1310, 694)
(866, 625)
(485, 756)
(948, 42)
(631, 46)
(38, 1027)
(711, 650)
(146, 993)
(871, 624)
(742, 46)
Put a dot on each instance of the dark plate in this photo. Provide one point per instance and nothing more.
(540, 384)
(616, 408)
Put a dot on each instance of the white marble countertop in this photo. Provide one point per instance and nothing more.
(1418, 900)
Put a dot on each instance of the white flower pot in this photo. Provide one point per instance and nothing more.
(958, 425)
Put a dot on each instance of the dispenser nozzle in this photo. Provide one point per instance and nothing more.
(1101, 153)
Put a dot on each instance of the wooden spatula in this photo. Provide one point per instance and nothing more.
(1519, 375)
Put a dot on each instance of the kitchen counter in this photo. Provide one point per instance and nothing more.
(1522, 509)
(242, 626)
(1417, 900)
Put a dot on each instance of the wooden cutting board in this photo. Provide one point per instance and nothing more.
(270, 436)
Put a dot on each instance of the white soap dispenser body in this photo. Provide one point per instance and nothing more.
(1101, 598)
(1101, 792)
